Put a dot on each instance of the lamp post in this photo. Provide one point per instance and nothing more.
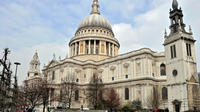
(17, 64)
(15, 94)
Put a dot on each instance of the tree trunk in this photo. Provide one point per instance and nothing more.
(44, 106)
(69, 103)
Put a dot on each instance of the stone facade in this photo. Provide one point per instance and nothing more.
(94, 49)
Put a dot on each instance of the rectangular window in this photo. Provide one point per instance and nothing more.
(188, 49)
(126, 94)
(126, 76)
(53, 75)
(76, 95)
(113, 78)
(173, 51)
(52, 92)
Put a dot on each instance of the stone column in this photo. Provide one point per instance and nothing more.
(75, 48)
(116, 50)
(72, 49)
(109, 49)
(105, 49)
(113, 50)
(89, 47)
(49, 98)
(84, 48)
(100, 47)
(79, 47)
(94, 46)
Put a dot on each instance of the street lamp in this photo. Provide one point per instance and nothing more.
(17, 64)
(15, 85)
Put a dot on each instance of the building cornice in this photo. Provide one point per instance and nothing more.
(124, 81)
(108, 60)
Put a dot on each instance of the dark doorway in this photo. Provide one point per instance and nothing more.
(177, 108)
(177, 105)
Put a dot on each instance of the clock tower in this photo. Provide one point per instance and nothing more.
(181, 65)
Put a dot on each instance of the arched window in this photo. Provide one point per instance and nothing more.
(35, 74)
(77, 80)
(76, 95)
(126, 94)
(162, 70)
(164, 93)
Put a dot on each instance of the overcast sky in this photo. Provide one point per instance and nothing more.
(48, 25)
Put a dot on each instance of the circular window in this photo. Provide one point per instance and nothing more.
(175, 72)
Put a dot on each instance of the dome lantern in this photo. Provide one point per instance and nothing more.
(95, 7)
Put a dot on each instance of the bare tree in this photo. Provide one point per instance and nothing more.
(5, 82)
(17, 100)
(45, 89)
(154, 99)
(33, 94)
(68, 88)
(95, 90)
(36, 93)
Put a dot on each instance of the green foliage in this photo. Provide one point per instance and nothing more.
(193, 111)
(137, 105)
(126, 108)
(100, 105)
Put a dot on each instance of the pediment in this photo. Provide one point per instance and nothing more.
(52, 63)
(192, 79)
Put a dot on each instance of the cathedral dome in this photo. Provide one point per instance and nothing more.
(95, 20)
(94, 38)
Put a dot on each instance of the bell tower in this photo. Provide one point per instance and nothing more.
(176, 18)
(180, 60)
(34, 67)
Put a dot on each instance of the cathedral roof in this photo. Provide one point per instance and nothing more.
(95, 19)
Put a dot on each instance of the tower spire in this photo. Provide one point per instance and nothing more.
(95, 7)
(35, 57)
(176, 17)
(175, 4)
